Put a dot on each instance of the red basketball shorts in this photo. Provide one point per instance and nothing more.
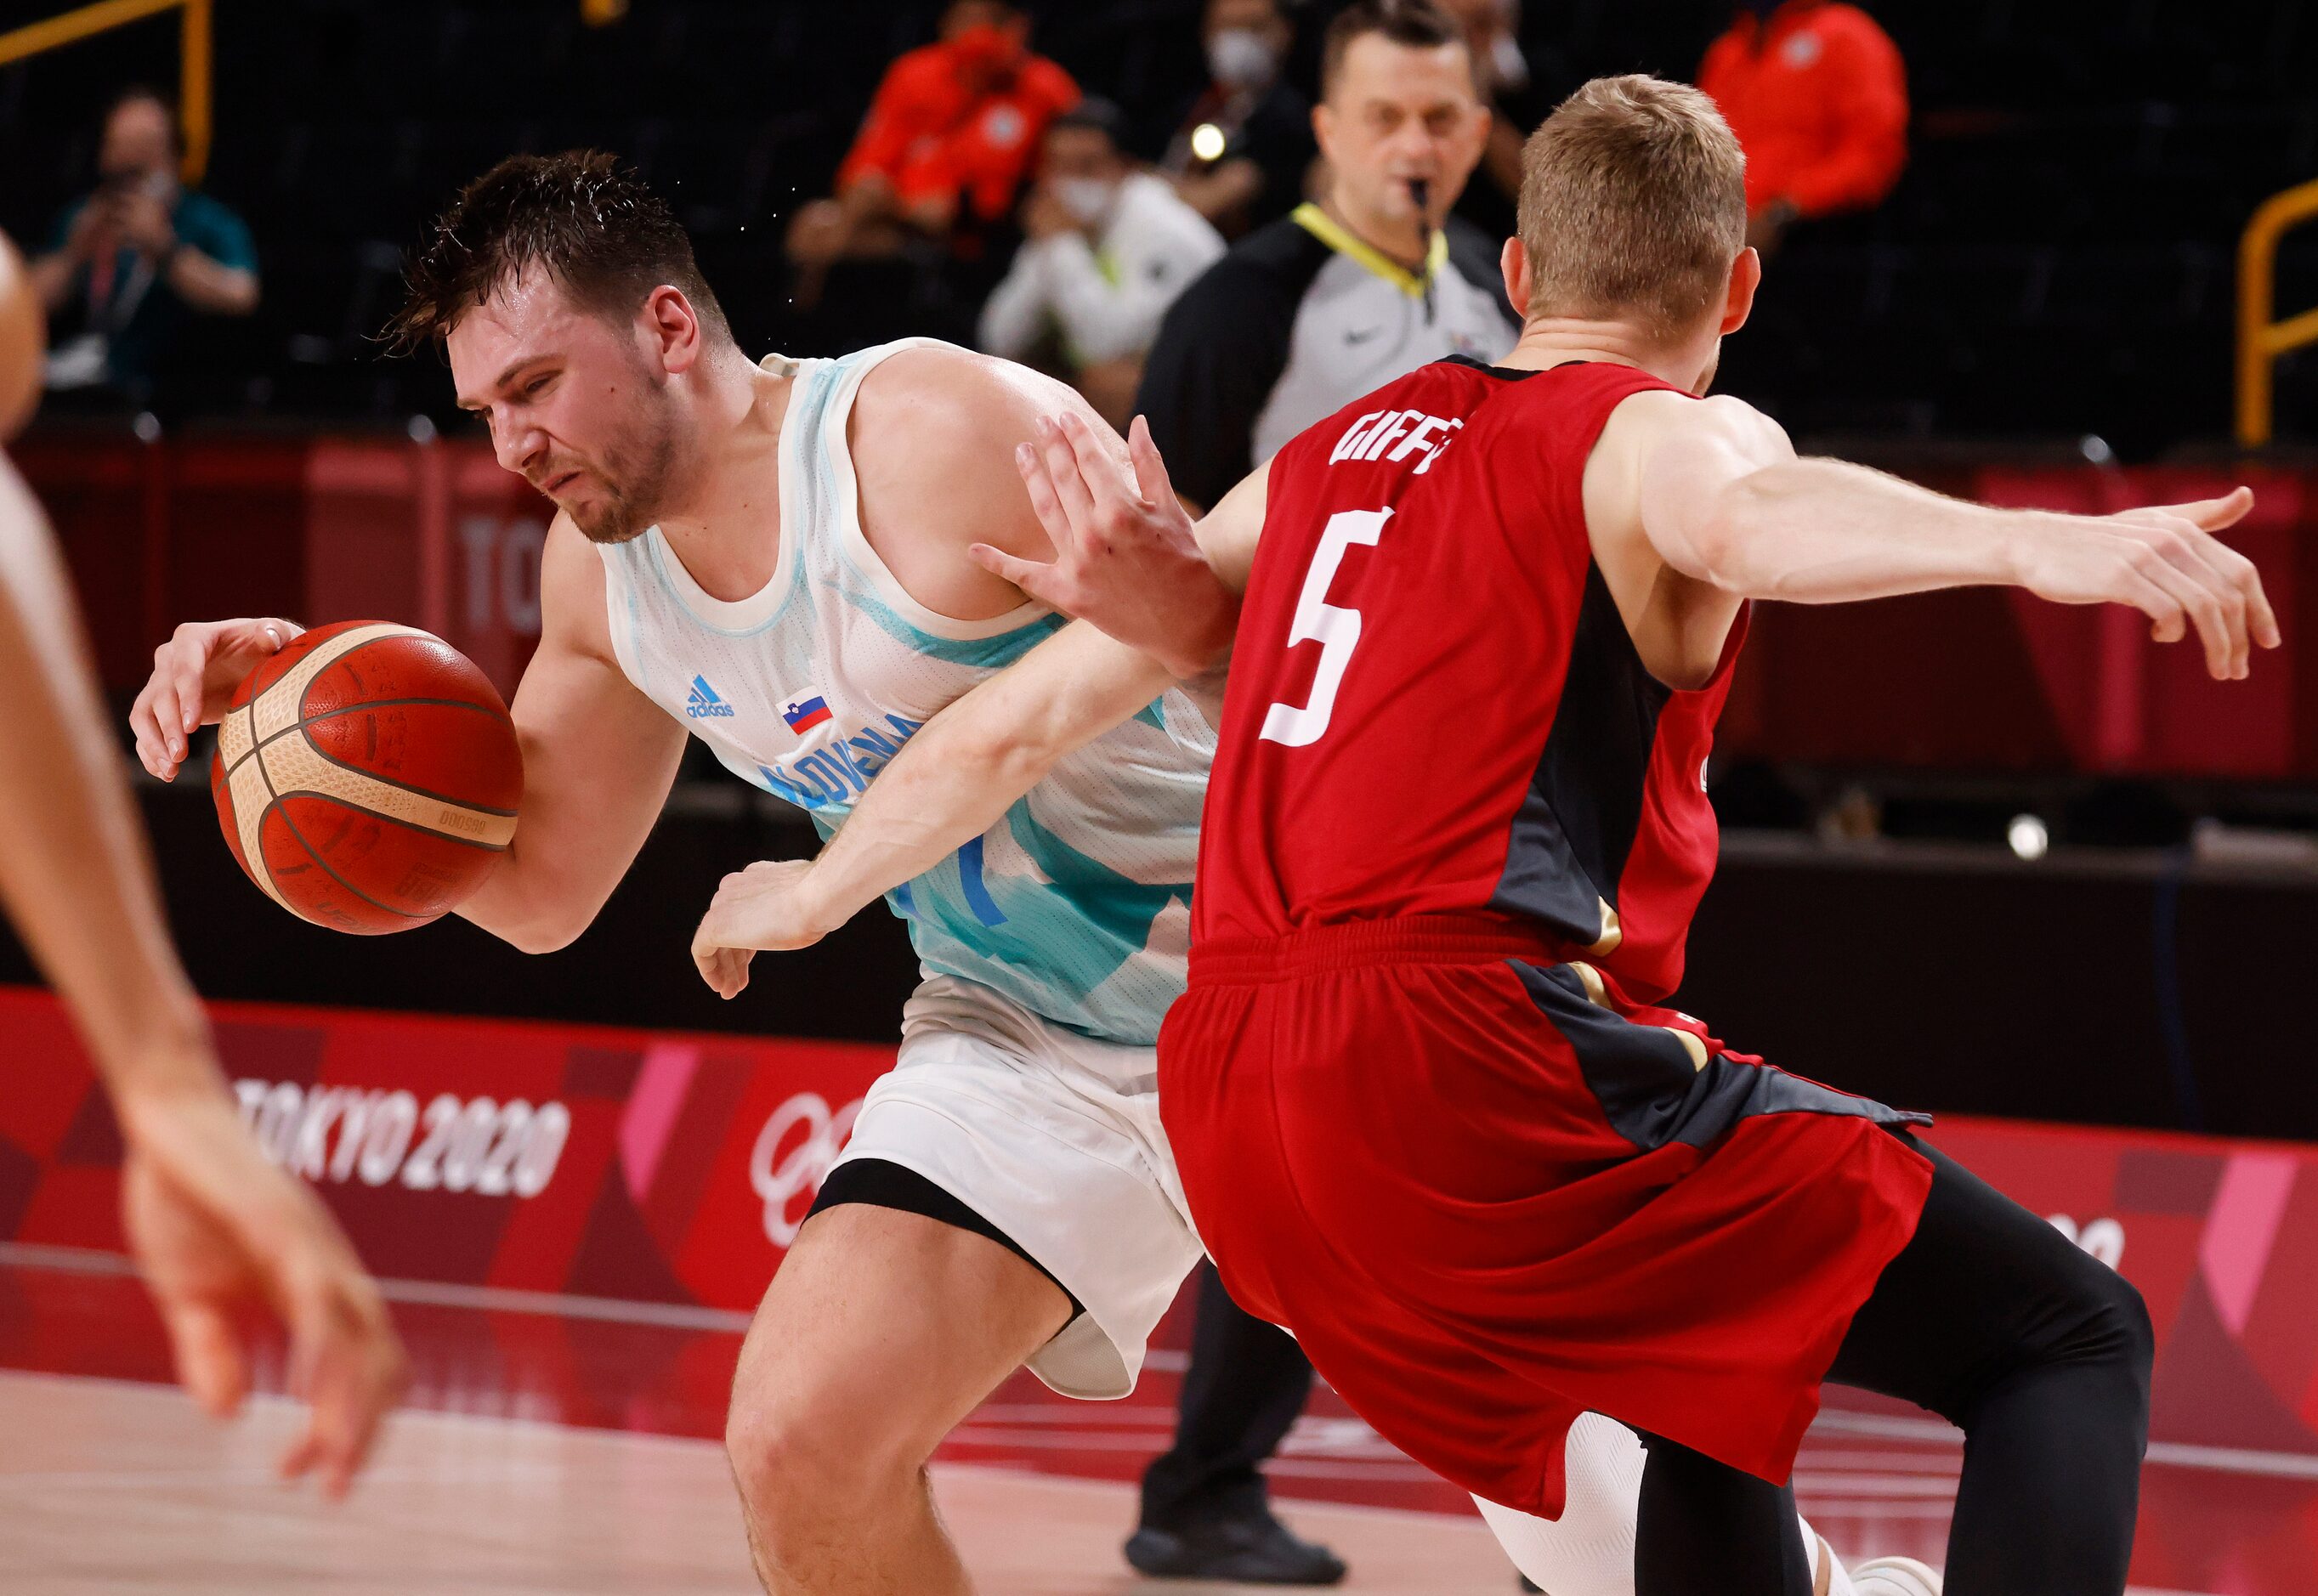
(1487, 1196)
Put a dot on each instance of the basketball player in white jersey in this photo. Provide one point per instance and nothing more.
(774, 559)
(216, 1229)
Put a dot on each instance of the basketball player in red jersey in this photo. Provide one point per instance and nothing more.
(1430, 1114)
(216, 1229)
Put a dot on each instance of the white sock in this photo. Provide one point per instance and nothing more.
(1589, 1550)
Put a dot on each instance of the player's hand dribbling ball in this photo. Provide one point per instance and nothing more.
(367, 776)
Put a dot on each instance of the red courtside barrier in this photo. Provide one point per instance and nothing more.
(582, 1161)
(675, 1169)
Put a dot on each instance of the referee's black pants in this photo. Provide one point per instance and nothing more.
(1995, 1321)
(1246, 1383)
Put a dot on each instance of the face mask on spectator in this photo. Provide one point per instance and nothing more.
(1087, 199)
(1241, 58)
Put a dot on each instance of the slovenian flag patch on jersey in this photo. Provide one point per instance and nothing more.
(803, 714)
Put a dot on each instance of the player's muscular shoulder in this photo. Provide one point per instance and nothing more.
(933, 434)
(1656, 434)
(22, 335)
(1613, 471)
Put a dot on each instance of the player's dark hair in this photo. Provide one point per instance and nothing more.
(1418, 24)
(581, 217)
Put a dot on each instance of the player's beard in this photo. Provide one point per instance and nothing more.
(632, 480)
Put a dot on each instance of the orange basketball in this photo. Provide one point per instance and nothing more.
(367, 776)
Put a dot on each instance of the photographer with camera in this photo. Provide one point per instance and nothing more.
(142, 255)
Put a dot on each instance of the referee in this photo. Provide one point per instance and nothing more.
(1351, 290)
(1302, 317)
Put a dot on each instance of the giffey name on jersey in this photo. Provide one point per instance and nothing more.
(1394, 435)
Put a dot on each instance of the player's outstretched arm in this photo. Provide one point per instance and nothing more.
(1128, 556)
(217, 1230)
(950, 784)
(1722, 496)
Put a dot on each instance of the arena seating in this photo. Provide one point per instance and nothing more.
(2058, 260)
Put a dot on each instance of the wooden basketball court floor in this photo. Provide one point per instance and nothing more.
(563, 1445)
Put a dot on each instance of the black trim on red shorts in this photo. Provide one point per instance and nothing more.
(1653, 1092)
(880, 1183)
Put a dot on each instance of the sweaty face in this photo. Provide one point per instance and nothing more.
(577, 405)
(1398, 114)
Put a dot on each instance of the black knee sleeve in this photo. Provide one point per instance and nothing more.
(2091, 1320)
(1987, 1291)
(1996, 1320)
(2096, 1315)
(2119, 1332)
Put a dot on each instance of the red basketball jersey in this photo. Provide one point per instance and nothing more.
(1434, 705)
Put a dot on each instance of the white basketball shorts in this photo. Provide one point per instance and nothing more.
(1054, 1138)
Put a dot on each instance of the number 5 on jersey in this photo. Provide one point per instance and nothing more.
(1337, 630)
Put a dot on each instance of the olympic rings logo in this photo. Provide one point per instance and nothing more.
(779, 1178)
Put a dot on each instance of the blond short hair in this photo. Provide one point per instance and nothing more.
(1633, 204)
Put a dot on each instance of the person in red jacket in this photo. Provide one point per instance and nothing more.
(947, 144)
(1817, 95)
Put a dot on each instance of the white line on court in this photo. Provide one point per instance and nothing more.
(2296, 1466)
(2290, 1466)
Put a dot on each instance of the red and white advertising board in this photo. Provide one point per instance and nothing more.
(675, 1169)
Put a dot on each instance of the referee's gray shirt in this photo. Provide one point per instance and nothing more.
(1295, 322)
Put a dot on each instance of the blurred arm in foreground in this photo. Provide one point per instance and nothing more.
(215, 1226)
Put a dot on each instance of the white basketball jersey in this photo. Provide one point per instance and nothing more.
(1077, 904)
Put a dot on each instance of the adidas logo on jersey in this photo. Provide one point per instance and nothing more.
(703, 703)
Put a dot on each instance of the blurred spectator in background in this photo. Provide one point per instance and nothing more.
(1517, 104)
(1301, 318)
(943, 152)
(1108, 248)
(1817, 95)
(132, 263)
(1244, 145)
(1354, 289)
